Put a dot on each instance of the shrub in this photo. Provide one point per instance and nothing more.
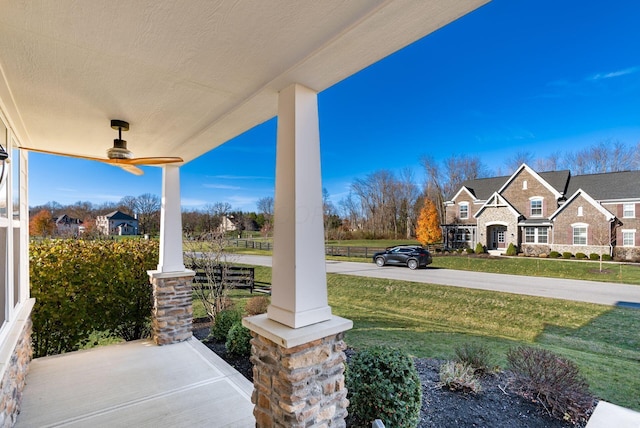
(383, 384)
(606, 257)
(581, 256)
(475, 355)
(459, 377)
(459, 251)
(256, 305)
(87, 286)
(512, 250)
(554, 254)
(552, 380)
(469, 250)
(479, 248)
(594, 256)
(239, 340)
(223, 322)
(566, 255)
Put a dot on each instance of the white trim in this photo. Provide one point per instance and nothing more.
(504, 204)
(531, 200)
(589, 199)
(633, 237)
(574, 226)
(633, 209)
(535, 175)
(460, 191)
(497, 223)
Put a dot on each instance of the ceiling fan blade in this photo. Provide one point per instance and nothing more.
(49, 152)
(129, 168)
(160, 160)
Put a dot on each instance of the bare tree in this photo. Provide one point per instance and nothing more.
(549, 163)
(606, 156)
(513, 162)
(443, 180)
(128, 205)
(148, 211)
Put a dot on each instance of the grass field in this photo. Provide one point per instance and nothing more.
(430, 321)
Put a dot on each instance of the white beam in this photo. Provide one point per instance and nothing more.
(299, 291)
(171, 259)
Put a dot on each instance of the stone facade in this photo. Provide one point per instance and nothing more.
(14, 377)
(172, 313)
(497, 216)
(302, 386)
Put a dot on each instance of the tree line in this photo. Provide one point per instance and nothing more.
(382, 204)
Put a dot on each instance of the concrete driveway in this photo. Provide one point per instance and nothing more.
(604, 293)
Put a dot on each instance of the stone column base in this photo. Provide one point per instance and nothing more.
(298, 374)
(172, 313)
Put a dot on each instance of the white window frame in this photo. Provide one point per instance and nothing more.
(466, 205)
(576, 226)
(536, 235)
(629, 210)
(629, 242)
(536, 199)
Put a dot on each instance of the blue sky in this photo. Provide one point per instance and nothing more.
(528, 75)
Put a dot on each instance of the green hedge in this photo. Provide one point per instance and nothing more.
(84, 286)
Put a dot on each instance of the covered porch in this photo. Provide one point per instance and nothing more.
(187, 80)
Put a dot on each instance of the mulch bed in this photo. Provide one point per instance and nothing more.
(495, 407)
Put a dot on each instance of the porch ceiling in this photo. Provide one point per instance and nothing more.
(187, 76)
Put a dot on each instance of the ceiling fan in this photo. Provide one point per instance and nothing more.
(119, 155)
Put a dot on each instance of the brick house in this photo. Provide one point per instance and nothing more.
(548, 211)
(117, 223)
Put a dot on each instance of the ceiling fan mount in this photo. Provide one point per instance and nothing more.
(119, 149)
(119, 155)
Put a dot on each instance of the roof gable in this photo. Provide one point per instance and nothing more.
(608, 186)
(589, 199)
(119, 215)
(554, 175)
(497, 200)
(465, 190)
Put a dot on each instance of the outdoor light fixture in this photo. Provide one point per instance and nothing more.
(3, 158)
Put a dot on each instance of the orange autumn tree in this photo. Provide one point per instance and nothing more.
(42, 224)
(428, 230)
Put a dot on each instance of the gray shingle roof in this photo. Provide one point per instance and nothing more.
(119, 215)
(607, 186)
(483, 188)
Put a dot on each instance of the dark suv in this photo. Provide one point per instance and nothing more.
(412, 256)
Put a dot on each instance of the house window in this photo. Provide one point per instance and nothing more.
(536, 208)
(629, 210)
(535, 235)
(628, 238)
(580, 214)
(464, 210)
(579, 235)
(524, 185)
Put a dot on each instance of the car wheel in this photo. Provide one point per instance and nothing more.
(413, 264)
(380, 261)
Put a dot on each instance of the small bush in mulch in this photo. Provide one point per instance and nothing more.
(383, 384)
(554, 254)
(256, 305)
(553, 381)
(223, 322)
(581, 256)
(594, 256)
(459, 377)
(239, 340)
(476, 355)
(479, 248)
(512, 251)
(566, 255)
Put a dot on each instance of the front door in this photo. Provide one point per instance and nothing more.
(501, 237)
(498, 238)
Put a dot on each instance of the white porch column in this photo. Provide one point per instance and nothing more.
(298, 342)
(171, 259)
(299, 292)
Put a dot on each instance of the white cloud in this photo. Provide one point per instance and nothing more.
(221, 186)
(618, 73)
(239, 177)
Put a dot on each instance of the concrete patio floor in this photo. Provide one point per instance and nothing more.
(136, 384)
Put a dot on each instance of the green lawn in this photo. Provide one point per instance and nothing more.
(430, 321)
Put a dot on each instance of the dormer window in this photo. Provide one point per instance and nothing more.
(536, 207)
(464, 210)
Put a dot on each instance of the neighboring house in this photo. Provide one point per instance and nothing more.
(548, 211)
(68, 226)
(227, 225)
(117, 223)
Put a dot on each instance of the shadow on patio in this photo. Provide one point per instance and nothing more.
(136, 384)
